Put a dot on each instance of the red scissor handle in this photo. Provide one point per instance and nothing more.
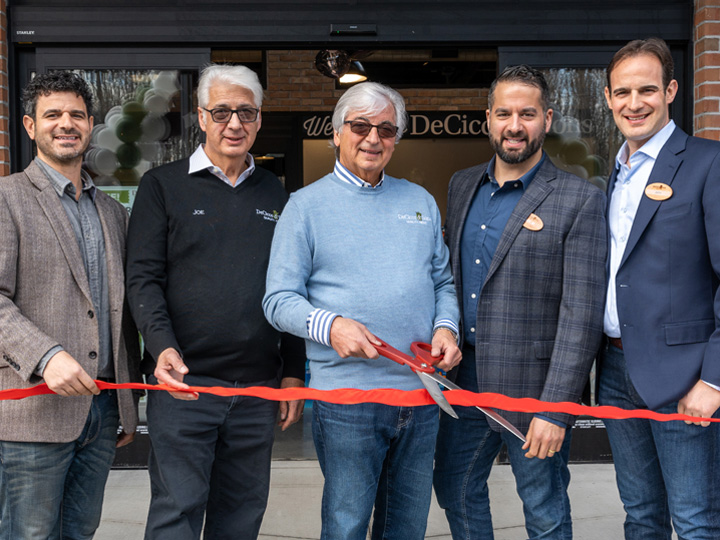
(422, 352)
(416, 364)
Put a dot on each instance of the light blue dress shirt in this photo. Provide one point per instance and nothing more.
(632, 177)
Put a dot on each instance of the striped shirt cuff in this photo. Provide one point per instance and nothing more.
(712, 385)
(450, 325)
(318, 325)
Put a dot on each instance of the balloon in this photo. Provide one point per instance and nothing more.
(127, 177)
(102, 161)
(128, 156)
(128, 129)
(153, 127)
(106, 138)
(134, 110)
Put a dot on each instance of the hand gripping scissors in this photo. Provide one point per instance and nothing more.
(422, 364)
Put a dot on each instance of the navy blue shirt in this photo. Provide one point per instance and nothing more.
(489, 212)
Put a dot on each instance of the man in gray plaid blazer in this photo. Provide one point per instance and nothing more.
(527, 244)
(62, 320)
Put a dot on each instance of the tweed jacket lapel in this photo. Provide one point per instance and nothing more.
(49, 201)
(113, 236)
(534, 195)
(664, 170)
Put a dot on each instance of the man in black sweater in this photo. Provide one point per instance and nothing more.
(198, 248)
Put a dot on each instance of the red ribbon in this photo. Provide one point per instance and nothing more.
(388, 396)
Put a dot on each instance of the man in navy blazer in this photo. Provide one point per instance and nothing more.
(527, 245)
(663, 304)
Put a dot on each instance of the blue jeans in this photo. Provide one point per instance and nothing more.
(466, 451)
(55, 490)
(665, 470)
(209, 462)
(375, 454)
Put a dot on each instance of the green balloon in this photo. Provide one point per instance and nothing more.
(128, 155)
(140, 92)
(127, 177)
(128, 129)
(134, 110)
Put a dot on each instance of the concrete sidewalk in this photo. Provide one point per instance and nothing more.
(294, 507)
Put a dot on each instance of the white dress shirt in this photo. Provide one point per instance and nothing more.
(200, 161)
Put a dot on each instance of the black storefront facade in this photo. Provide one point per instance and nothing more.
(143, 59)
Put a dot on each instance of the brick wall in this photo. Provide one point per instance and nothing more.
(295, 85)
(707, 69)
(4, 96)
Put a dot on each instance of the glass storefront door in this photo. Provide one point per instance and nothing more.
(145, 110)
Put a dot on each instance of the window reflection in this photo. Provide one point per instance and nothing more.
(583, 139)
(142, 119)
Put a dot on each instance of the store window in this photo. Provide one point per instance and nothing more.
(140, 122)
(145, 109)
(583, 139)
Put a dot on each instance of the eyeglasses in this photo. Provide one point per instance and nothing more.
(221, 115)
(385, 131)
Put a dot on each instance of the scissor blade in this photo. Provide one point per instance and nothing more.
(488, 412)
(431, 385)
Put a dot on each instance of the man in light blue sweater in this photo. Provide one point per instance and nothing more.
(359, 254)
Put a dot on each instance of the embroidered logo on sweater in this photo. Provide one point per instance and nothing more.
(274, 215)
(418, 218)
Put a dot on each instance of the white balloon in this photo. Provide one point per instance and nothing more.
(107, 139)
(151, 151)
(105, 161)
(156, 103)
(166, 82)
(142, 167)
(153, 127)
(116, 110)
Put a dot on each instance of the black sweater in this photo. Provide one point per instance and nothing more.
(198, 252)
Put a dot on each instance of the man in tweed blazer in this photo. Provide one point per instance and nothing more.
(63, 319)
(527, 244)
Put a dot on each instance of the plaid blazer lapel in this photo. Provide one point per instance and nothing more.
(535, 194)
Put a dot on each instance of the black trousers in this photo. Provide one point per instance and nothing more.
(210, 459)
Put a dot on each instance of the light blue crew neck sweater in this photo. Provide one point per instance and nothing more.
(375, 255)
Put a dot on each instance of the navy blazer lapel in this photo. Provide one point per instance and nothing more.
(535, 194)
(49, 201)
(664, 171)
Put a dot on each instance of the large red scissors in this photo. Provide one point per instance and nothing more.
(423, 365)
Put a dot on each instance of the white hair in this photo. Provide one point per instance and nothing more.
(234, 75)
(369, 98)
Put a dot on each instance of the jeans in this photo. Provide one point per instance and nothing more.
(466, 451)
(375, 454)
(55, 490)
(665, 470)
(210, 460)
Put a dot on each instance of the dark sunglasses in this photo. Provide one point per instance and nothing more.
(221, 115)
(385, 131)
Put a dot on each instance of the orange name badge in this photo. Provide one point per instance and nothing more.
(533, 223)
(658, 191)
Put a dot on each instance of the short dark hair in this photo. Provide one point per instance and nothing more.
(523, 74)
(56, 81)
(652, 46)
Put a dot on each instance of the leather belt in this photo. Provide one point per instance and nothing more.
(615, 342)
